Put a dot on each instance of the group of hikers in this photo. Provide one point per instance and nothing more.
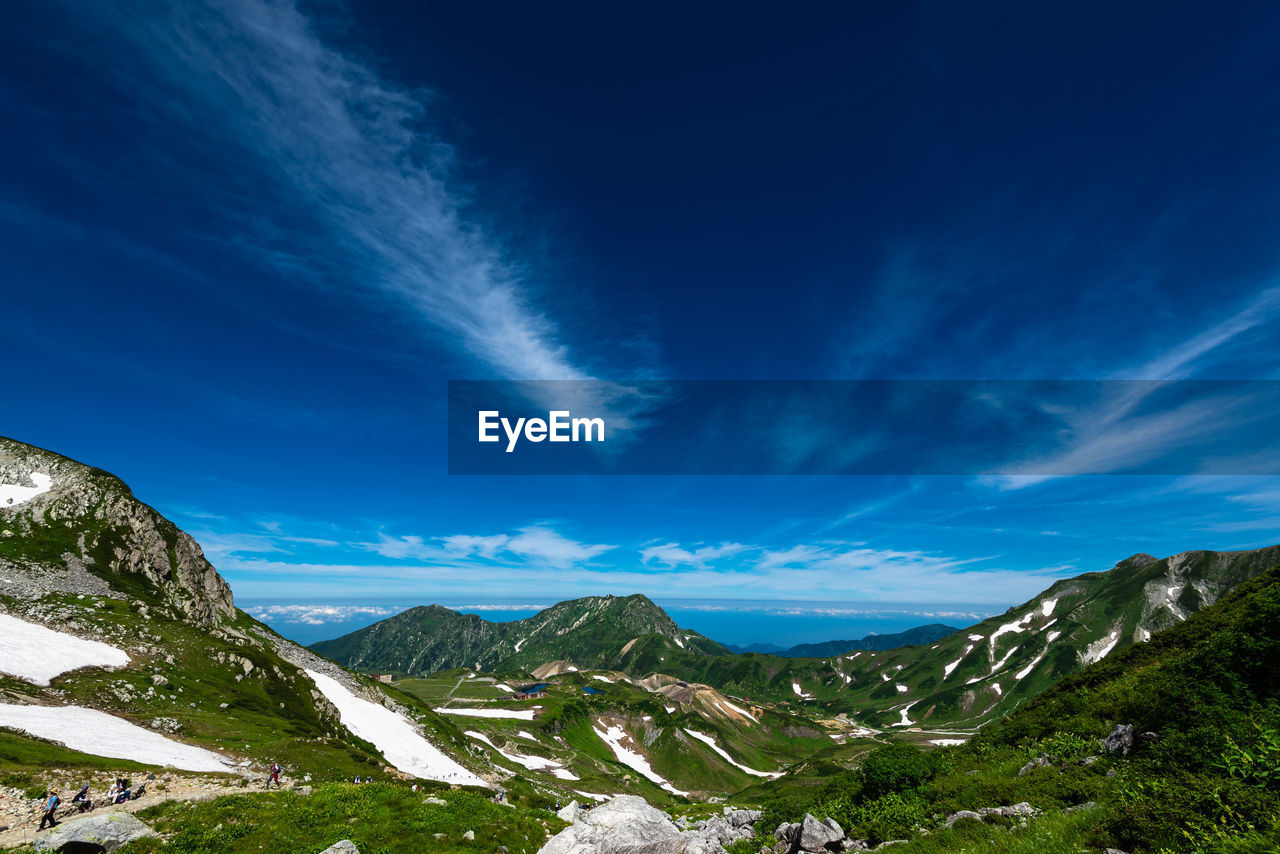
(119, 792)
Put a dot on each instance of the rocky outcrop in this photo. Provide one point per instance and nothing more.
(345, 846)
(96, 833)
(1121, 740)
(629, 825)
(625, 825)
(88, 522)
(1023, 810)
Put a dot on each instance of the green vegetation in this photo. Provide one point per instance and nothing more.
(966, 679)
(379, 818)
(1203, 773)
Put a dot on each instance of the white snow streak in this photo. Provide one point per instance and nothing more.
(711, 742)
(514, 714)
(613, 737)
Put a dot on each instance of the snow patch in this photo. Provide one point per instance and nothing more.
(1099, 649)
(946, 671)
(711, 742)
(906, 721)
(1022, 674)
(394, 736)
(976, 637)
(38, 654)
(533, 763)
(91, 731)
(603, 678)
(1046, 607)
(902, 689)
(513, 714)
(12, 494)
(503, 686)
(947, 742)
(613, 737)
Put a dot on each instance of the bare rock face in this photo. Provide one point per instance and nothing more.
(88, 524)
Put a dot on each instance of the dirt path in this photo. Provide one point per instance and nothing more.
(177, 790)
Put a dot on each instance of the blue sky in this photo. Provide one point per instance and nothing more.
(247, 243)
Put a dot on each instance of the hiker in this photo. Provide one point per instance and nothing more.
(81, 801)
(50, 807)
(113, 791)
(275, 776)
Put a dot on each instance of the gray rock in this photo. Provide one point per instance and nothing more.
(1041, 761)
(1120, 741)
(570, 813)
(304, 790)
(786, 832)
(470, 836)
(624, 825)
(742, 818)
(956, 816)
(1087, 805)
(345, 846)
(107, 832)
(816, 836)
(1022, 810)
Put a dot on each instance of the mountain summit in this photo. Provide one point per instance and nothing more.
(80, 529)
(595, 631)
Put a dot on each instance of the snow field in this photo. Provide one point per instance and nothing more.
(101, 734)
(393, 735)
(37, 654)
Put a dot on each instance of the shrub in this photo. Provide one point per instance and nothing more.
(897, 768)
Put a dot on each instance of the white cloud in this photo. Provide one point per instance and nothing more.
(544, 544)
(318, 615)
(536, 543)
(673, 554)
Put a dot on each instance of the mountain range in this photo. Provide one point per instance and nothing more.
(966, 677)
(890, 640)
(122, 651)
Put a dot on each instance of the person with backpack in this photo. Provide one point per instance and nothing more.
(275, 776)
(81, 801)
(50, 807)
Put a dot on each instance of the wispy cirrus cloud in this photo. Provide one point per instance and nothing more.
(363, 187)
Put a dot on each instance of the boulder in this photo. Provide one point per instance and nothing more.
(815, 836)
(624, 825)
(743, 818)
(106, 832)
(570, 813)
(345, 846)
(1120, 741)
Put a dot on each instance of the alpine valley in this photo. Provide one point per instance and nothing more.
(1132, 709)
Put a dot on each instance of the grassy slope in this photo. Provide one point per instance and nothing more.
(1210, 781)
(379, 818)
